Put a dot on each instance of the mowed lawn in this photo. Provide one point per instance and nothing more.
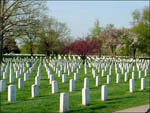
(119, 96)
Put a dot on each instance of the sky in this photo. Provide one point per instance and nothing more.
(80, 16)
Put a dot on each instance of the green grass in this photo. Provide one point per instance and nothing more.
(119, 96)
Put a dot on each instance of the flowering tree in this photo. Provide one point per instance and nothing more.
(84, 47)
(111, 39)
(129, 43)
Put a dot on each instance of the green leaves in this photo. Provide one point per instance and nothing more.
(141, 28)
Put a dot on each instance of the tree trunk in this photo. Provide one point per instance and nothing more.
(134, 53)
(1, 49)
(100, 54)
(83, 57)
(112, 50)
(2, 3)
(47, 53)
(31, 51)
(1, 44)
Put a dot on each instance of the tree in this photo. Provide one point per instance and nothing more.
(83, 47)
(109, 27)
(96, 30)
(52, 36)
(129, 42)
(13, 17)
(10, 46)
(140, 25)
(111, 39)
(101, 38)
(30, 35)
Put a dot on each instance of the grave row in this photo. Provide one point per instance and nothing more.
(65, 67)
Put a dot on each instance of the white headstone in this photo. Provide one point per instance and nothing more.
(37, 80)
(2, 85)
(35, 90)
(108, 79)
(72, 69)
(131, 85)
(25, 76)
(4, 75)
(94, 73)
(51, 78)
(64, 102)
(110, 71)
(68, 71)
(145, 72)
(133, 76)
(97, 80)
(72, 85)
(139, 74)
(104, 93)
(118, 78)
(85, 70)
(63, 78)
(54, 86)
(20, 71)
(103, 73)
(11, 93)
(59, 73)
(85, 96)
(17, 74)
(11, 76)
(133, 68)
(142, 83)
(20, 83)
(75, 76)
(126, 77)
(86, 83)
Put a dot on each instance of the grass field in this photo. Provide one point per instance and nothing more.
(119, 96)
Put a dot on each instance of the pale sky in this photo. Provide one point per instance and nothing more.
(81, 15)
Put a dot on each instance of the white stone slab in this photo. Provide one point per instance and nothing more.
(35, 90)
(97, 80)
(72, 85)
(131, 85)
(64, 78)
(11, 93)
(2, 85)
(64, 102)
(85, 96)
(142, 83)
(54, 86)
(20, 83)
(104, 93)
(86, 82)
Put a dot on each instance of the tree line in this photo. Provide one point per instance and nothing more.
(126, 41)
(28, 24)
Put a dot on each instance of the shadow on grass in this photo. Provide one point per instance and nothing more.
(120, 98)
(10, 103)
(97, 107)
(140, 91)
(91, 108)
(44, 79)
(28, 99)
(113, 102)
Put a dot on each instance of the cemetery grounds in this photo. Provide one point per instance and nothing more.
(119, 97)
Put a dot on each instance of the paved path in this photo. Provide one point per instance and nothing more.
(140, 109)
